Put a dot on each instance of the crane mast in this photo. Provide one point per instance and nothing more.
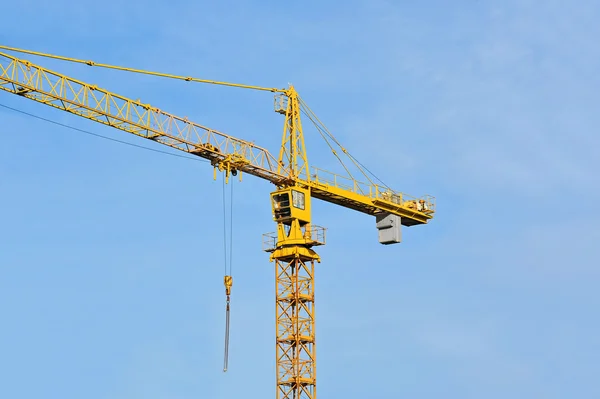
(291, 247)
(294, 263)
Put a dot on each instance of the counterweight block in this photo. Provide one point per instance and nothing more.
(389, 228)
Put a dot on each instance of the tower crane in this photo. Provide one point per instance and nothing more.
(292, 246)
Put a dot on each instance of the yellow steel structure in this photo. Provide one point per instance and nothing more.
(292, 246)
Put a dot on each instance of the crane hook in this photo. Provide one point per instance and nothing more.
(228, 281)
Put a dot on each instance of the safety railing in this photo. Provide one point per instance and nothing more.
(314, 235)
(424, 204)
(269, 242)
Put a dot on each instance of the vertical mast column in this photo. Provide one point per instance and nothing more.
(295, 330)
(291, 250)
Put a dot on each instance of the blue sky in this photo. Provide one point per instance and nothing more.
(111, 257)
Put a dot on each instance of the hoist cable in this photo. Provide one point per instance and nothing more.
(228, 279)
(224, 228)
(231, 230)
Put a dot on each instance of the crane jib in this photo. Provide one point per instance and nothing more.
(34, 82)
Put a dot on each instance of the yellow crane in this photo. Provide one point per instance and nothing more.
(291, 247)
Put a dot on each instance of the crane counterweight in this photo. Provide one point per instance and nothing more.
(389, 227)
